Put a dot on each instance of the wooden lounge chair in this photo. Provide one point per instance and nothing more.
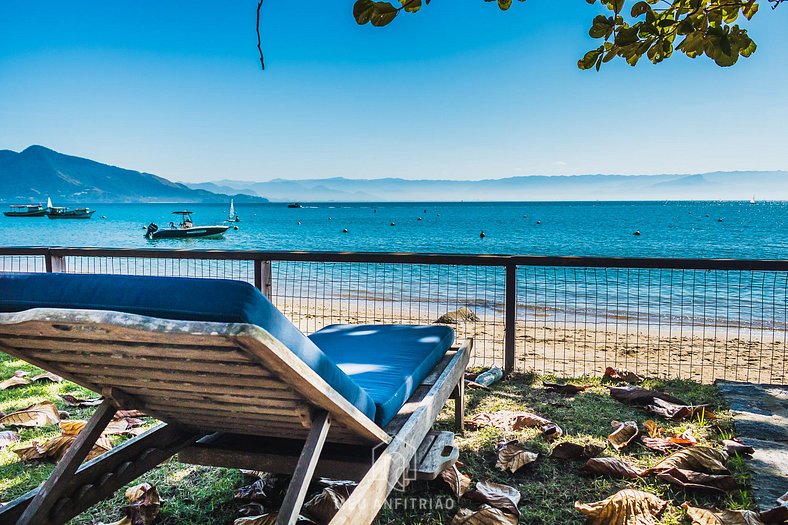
(229, 393)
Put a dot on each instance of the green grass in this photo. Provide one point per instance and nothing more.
(549, 487)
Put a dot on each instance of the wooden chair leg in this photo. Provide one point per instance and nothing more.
(53, 487)
(305, 468)
(459, 407)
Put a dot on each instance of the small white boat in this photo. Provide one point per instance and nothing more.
(232, 216)
(752, 201)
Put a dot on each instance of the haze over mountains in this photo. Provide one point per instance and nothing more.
(764, 185)
(38, 172)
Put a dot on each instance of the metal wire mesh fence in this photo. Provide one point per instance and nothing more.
(699, 320)
(686, 323)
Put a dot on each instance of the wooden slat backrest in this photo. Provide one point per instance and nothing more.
(200, 375)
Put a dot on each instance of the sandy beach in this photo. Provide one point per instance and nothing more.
(565, 349)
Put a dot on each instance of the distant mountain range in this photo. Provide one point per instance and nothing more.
(739, 185)
(37, 173)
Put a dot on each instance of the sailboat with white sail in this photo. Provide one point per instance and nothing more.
(232, 216)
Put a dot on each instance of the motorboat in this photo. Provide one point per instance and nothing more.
(25, 210)
(295, 205)
(59, 212)
(183, 230)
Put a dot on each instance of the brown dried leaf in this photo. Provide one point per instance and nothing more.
(735, 446)
(54, 449)
(251, 509)
(486, 515)
(652, 429)
(775, 516)
(38, 415)
(623, 375)
(8, 437)
(701, 516)
(459, 482)
(113, 428)
(500, 496)
(47, 377)
(323, 507)
(664, 444)
(506, 420)
(513, 456)
(626, 507)
(623, 433)
(269, 519)
(73, 401)
(268, 490)
(636, 395)
(551, 432)
(689, 479)
(72, 427)
(698, 459)
(677, 412)
(567, 450)
(144, 504)
(611, 467)
(123, 414)
(565, 389)
(14, 381)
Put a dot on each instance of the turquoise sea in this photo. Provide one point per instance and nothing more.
(668, 229)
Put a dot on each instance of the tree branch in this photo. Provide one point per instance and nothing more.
(259, 47)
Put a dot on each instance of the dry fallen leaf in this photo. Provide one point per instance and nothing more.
(459, 482)
(54, 449)
(636, 395)
(38, 415)
(14, 381)
(513, 456)
(506, 420)
(626, 507)
(568, 450)
(775, 516)
(701, 516)
(73, 401)
(677, 412)
(565, 389)
(500, 496)
(664, 444)
(611, 467)
(8, 437)
(268, 490)
(689, 479)
(652, 429)
(323, 507)
(623, 375)
(47, 377)
(698, 459)
(143, 504)
(735, 446)
(486, 515)
(551, 432)
(623, 433)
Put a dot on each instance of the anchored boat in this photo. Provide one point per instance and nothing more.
(232, 216)
(59, 212)
(184, 230)
(25, 210)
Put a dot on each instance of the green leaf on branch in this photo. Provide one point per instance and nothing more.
(377, 13)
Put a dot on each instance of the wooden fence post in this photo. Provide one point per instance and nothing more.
(510, 320)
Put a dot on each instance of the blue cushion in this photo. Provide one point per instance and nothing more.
(178, 298)
(388, 361)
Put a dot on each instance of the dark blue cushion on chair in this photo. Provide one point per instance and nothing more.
(388, 361)
(177, 298)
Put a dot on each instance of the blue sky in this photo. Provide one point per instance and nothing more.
(459, 90)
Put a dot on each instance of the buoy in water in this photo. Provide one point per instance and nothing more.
(393, 224)
(719, 220)
(538, 222)
(299, 223)
(344, 230)
(103, 216)
(235, 227)
(419, 218)
(482, 235)
(637, 232)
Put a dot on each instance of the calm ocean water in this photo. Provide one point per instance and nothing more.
(668, 229)
(577, 295)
